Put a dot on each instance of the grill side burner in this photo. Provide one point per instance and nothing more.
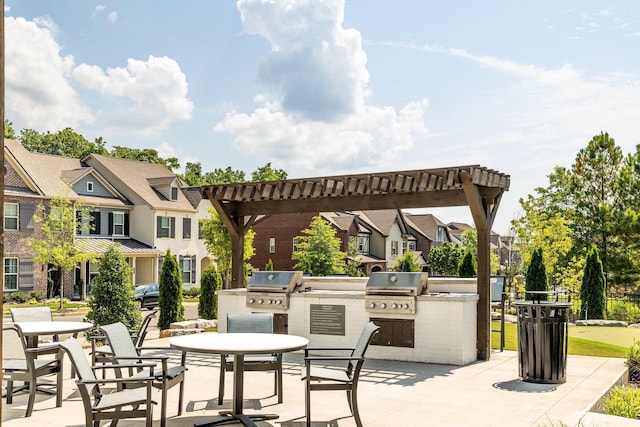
(271, 289)
(394, 292)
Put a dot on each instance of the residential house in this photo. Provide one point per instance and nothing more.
(428, 230)
(139, 205)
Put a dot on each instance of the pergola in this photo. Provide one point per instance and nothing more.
(475, 186)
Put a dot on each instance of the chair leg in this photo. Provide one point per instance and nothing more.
(181, 397)
(353, 404)
(9, 392)
(221, 385)
(279, 385)
(59, 384)
(307, 401)
(33, 384)
(163, 408)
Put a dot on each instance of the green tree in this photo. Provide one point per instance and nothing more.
(65, 142)
(148, 155)
(536, 277)
(592, 291)
(407, 262)
(269, 265)
(319, 250)
(9, 132)
(193, 174)
(112, 298)
(57, 246)
(467, 267)
(444, 260)
(217, 240)
(267, 173)
(224, 176)
(353, 265)
(470, 241)
(170, 286)
(210, 283)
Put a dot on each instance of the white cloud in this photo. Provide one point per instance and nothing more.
(165, 150)
(112, 17)
(315, 106)
(98, 10)
(38, 93)
(147, 95)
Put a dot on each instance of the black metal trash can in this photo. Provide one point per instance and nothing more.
(543, 334)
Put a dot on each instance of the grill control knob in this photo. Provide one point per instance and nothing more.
(383, 305)
(394, 305)
(278, 302)
(251, 300)
(405, 306)
(260, 301)
(372, 305)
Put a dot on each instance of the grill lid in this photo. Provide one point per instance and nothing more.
(396, 283)
(274, 281)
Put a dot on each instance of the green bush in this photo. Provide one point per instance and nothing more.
(623, 401)
(211, 282)
(171, 308)
(193, 292)
(36, 295)
(536, 276)
(407, 262)
(625, 311)
(112, 298)
(19, 297)
(467, 266)
(592, 290)
(633, 362)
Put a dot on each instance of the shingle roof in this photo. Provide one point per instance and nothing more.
(426, 224)
(136, 176)
(126, 246)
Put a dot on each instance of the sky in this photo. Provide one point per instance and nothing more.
(332, 87)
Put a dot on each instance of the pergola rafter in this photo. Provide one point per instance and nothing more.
(475, 186)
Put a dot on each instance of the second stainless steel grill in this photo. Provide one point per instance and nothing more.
(394, 292)
(271, 289)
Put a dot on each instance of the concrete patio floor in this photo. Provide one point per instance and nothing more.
(391, 393)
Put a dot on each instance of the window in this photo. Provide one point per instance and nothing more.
(89, 187)
(174, 193)
(118, 223)
(94, 223)
(11, 216)
(27, 210)
(11, 274)
(200, 229)
(363, 244)
(441, 236)
(296, 242)
(186, 228)
(412, 246)
(394, 247)
(166, 226)
(185, 266)
(272, 245)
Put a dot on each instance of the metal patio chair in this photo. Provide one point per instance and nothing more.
(36, 314)
(21, 363)
(252, 323)
(321, 378)
(124, 351)
(100, 405)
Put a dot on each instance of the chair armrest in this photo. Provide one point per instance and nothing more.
(330, 358)
(124, 365)
(117, 380)
(308, 349)
(160, 358)
(35, 351)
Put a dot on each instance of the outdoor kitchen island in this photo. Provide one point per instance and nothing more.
(416, 325)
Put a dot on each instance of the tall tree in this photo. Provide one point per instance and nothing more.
(353, 264)
(224, 176)
(467, 267)
(65, 142)
(592, 292)
(148, 155)
(444, 260)
(267, 173)
(9, 132)
(112, 297)
(407, 263)
(536, 278)
(193, 174)
(218, 242)
(319, 249)
(170, 286)
(210, 283)
(56, 247)
(470, 241)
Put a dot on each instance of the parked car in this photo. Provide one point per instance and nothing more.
(147, 295)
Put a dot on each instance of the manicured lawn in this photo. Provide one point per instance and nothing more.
(583, 340)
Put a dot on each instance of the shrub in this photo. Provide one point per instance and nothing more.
(193, 292)
(633, 362)
(626, 311)
(269, 265)
(407, 262)
(208, 304)
(467, 266)
(623, 401)
(536, 277)
(592, 291)
(112, 298)
(171, 308)
(36, 295)
(7, 297)
(19, 297)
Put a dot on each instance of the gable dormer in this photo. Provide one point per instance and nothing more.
(166, 187)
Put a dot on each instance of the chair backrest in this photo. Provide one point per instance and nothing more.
(80, 364)
(12, 344)
(142, 333)
(257, 323)
(33, 314)
(119, 340)
(363, 342)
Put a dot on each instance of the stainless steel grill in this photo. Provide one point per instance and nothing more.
(394, 292)
(271, 289)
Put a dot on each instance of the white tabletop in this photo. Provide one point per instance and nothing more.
(51, 328)
(238, 343)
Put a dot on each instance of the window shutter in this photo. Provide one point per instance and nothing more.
(95, 223)
(172, 231)
(110, 231)
(126, 224)
(182, 273)
(186, 228)
(27, 211)
(193, 269)
(158, 226)
(200, 230)
(25, 273)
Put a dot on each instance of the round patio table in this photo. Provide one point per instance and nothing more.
(238, 344)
